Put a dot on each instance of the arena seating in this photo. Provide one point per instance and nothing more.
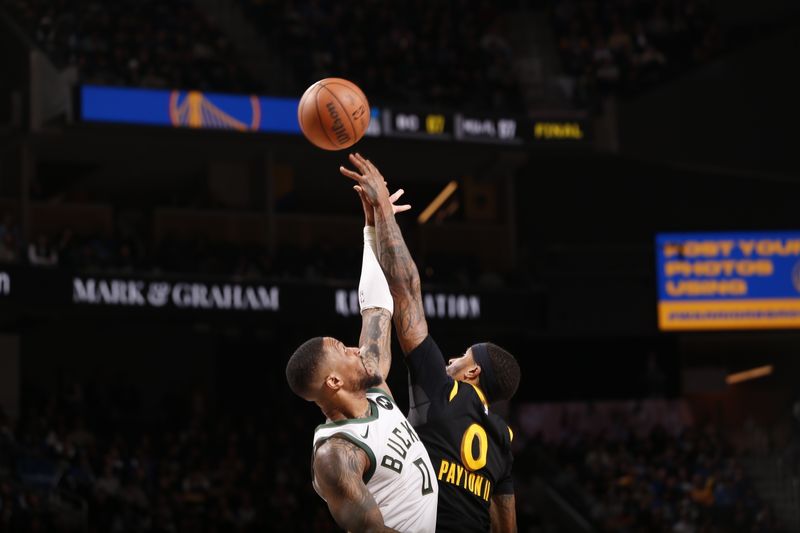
(186, 253)
(415, 52)
(642, 466)
(190, 467)
(623, 48)
(134, 43)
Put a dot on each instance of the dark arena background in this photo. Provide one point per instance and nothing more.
(607, 188)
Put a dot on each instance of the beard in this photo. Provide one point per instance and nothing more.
(369, 380)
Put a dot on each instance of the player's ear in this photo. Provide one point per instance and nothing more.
(473, 372)
(333, 382)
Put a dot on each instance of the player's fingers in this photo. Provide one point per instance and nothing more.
(356, 163)
(401, 208)
(359, 162)
(350, 174)
(372, 168)
(397, 194)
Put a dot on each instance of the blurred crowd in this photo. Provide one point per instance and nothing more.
(146, 43)
(94, 457)
(443, 53)
(415, 52)
(629, 471)
(129, 252)
(10, 239)
(658, 482)
(625, 46)
(189, 466)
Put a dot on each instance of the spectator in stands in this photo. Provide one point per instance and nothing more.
(134, 42)
(629, 46)
(9, 240)
(417, 52)
(634, 475)
(41, 253)
(205, 473)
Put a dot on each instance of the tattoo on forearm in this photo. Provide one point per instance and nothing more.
(376, 336)
(403, 277)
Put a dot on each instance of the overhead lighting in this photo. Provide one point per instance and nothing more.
(746, 375)
(437, 202)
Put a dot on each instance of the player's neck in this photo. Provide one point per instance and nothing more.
(349, 406)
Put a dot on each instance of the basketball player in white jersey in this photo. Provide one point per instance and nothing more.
(368, 463)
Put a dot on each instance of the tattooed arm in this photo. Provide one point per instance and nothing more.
(503, 513)
(395, 259)
(374, 295)
(375, 340)
(404, 283)
(339, 467)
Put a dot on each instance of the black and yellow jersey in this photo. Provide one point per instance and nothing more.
(469, 446)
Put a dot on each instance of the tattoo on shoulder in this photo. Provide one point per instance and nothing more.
(338, 459)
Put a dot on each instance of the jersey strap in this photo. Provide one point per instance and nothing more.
(377, 390)
(373, 415)
(346, 429)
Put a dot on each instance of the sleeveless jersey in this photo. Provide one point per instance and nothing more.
(470, 447)
(400, 476)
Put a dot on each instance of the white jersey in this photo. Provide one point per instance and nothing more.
(400, 475)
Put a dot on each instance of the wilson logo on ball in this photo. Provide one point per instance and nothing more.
(338, 127)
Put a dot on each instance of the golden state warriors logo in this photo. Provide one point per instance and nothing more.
(796, 276)
(194, 109)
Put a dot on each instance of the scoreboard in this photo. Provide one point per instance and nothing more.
(251, 113)
(472, 127)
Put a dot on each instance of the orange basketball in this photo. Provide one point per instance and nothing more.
(333, 114)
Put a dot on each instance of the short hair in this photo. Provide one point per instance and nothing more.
(303, 365)
(506, 372)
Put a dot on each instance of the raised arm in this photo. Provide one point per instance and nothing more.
(395, 259)
(339, 467)
(503, 513)
(374, 297)
(375, 340)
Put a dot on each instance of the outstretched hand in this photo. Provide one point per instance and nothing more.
(369, 178)
(369, 211)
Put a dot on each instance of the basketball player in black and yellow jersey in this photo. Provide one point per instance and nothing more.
(469, 446)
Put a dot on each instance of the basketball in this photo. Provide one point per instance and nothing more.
(333, 114)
